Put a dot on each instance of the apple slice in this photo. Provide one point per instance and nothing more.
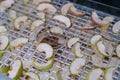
(33, 76)
(108, 73)
(94, 74)
(25, 2)
(16, 70)
(47, 6)
(44, 66)
(4, 70)
(59, 75)
(41, 15)
(12, 14)
(56, 30)
(4, 41)
(74, 11)
(20, 21)
(76, 65)
(36, 24)
(95, 39)
(2, 29)
(109, 19)
(118, 50)
(72, 41)
(37, 2)
(96, 20)
(1, 54)
(47, 49)
(65, 8)
(63, 19)
(87, 28)
(18, 42)
(116, 27)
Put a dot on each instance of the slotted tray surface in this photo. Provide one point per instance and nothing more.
(62, 53)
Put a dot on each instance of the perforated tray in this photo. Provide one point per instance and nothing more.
(63, 55)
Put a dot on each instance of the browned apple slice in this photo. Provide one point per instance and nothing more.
(37, 2)
(87, 28)
(75, 12)
(47, 6)
(65, 8)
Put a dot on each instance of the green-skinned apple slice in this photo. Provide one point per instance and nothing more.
(116, 27)
(37, 2)
(18, 42)
(108, 73)
(63, 19)
(94, 74)
(56, 30)
(4, 41)
(118, 50)
(19, 21)
(59, 75)
(4, 69)
(101, 48)
(76, 65)
(2, 29)
(44, 66)
(72, 41)
(16, 70)
(1, 54)
(47, 49)
(32, 75)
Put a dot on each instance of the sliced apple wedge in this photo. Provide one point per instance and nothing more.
(4, 70)
(36, 24)
(56, 30)
(47, 6)
(72, 41)
(59, 75)
(95, 39)
(16, 70)
(18, 42)
(94, 74)
(44, 66)
(109, 19)
(108, 73)
(20, 21)
(116, 27)
(37, 2)
(47, 49)
(12, 14)
(65, 8)
(63, 19)
(33, 76)
(118, 50)
(96, 20)
(76, 65)
(75, 12)
(4, 41)
(2, 29)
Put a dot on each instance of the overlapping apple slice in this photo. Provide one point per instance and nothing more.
(118, 50)
(47, 6)
(32, 75)
(16, 70)
(76, 65)
(94, 74)
(37, 2)
(20, 21)
(116, 27)
(63, 19)
(56, 30)
(108, 19)
(2, 29)
(72, 41)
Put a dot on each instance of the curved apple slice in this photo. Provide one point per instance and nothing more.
(74, 11)
(20, 21)
(109, 19)
(101, 48)
(4, 70)
(63, 19)
(18, 42)
(36, 24)
(44, 66)
(47, 6)
(2, 29)
(118, 50)
(37, 2)
(56, 30)
(95, 39)
(96, 20)
(65, 8)
(76, 65)
(44, 47)
(87, 28)
(12, 14)
(59, 75)
(116, 27)
(72, 41)
(4, 41)
(94, 74)
(33, 76)
(16, 71)
(108, 73)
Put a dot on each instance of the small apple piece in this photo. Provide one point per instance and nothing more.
(108, 73)
(18, 42)
(2, 29)
(1, 54)
(63, 19)
(109, 19)
(75, 12)
(36, 24)
(41, 15)
(47, 6)
(16, 71)
(116, 27)
(4, 70)
(95, 39)
(4, 41)
(87, 28)
(33, 76)
(76, 65)
(59, 75)
(12, 14)
(20, 21)
(94, 74)
(56, 30)
(37, 2)
(65, 8)
(25, 2)
(72, 41)
(118, 50)
(44, 66)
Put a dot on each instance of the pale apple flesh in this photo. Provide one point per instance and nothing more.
(95, 39)
(116, 27)
(56, 30)
(87, 28)
(2, 29)
(118, 50)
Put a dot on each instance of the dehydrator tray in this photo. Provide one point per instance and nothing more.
(63, 55)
